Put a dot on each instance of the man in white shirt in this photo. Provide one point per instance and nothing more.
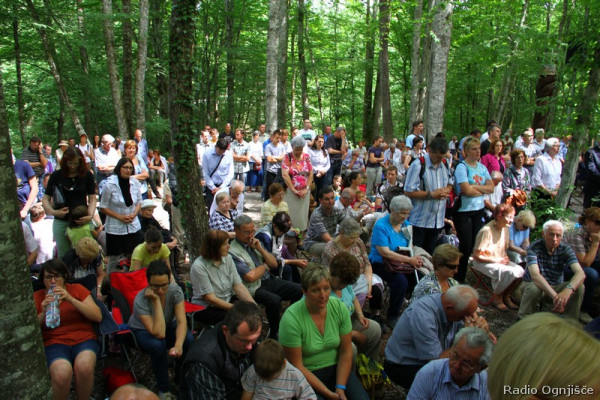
(106, 158)
(531, 150)
(547, 170)
(241, 156)
(255, 174)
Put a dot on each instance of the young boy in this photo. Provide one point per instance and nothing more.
(272, 377)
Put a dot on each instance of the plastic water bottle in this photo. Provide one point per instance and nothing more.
(53, 311)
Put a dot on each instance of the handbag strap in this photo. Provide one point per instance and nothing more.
(217, 167)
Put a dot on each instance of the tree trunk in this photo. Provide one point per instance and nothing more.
(127, 65)
(583, 123)
(416, 98)
(20, 102)
(302, 60)
(49, 51)
(563, 29)
(544, 90)
(272, 65)
(85, 63)
(367, 134)
(112, 69)
(183, 137)
(376, 114)
(20, 334)
(140, 73)
(384, 70)
(436, 82)
(229, 14)
(282, 67)
(60, 121)
(293, 88)
(157, 14)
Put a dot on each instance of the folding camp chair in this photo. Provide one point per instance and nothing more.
(124, 287)
(481, 283)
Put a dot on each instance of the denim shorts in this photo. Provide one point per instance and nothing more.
(69, 353)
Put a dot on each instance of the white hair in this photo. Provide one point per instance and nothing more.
(461, 296)
(550, 142)
(550, 223)
(297, 141)
(476, 337)
(400, 203)
(236, 183)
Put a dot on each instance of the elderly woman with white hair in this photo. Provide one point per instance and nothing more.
(547, 170)
(297, 173)
(368, 286)
(519, 236)
(222, 217)
(389, 233)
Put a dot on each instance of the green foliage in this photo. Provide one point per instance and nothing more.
(545, 209)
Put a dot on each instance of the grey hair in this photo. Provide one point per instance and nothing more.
(550, 223)
(340, 129)
(297, 141)
(539, 130)
(461, 296)
(108, 138)
(348, 226)
(347, 193)
(236, 183)
(496, 175)
(550, 142)
(220, 196)
(476, 337)
(400, 203)
(241, 221)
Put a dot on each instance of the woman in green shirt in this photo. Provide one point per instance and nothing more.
(316, 335)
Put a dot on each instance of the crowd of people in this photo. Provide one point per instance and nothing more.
(340, 226)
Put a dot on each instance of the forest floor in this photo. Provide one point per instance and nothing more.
(499, 321)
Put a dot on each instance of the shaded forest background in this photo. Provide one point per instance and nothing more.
(500, 53)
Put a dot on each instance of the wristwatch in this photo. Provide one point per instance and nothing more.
(569, 286)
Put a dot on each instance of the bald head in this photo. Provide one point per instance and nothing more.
(133, 391)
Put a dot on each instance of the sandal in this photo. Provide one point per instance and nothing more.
(511, 305)
(500, 306)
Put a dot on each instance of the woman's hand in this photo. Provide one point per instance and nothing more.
(176, 352)
(61, 213)
(416, 261)
(62, 294)
(47, 300)
(363, 321)
(149, 294)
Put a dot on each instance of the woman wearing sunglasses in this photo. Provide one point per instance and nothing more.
(159, 325)
(446, 259)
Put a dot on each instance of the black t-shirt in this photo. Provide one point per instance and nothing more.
(377, 151)
(336, 144)
(485, 147)
(75, 189)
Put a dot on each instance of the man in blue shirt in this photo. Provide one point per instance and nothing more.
(461, 376)
(217, 163)
(426, 330)
(428, 194)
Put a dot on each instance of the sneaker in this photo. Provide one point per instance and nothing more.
(166, 396)
(585, 318)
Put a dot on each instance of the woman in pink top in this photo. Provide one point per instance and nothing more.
(493, 160)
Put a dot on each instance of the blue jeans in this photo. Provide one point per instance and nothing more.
(354, 389)
(254, 177)
(334, 169)
(592, 278)
(158, 348)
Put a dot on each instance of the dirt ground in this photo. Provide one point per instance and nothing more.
(499, 321)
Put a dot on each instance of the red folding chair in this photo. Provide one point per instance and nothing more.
(124, 287)
(481, 283)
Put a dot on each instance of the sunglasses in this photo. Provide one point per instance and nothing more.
(451, 266)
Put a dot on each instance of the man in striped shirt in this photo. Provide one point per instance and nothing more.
(428, 192)
(462, 375)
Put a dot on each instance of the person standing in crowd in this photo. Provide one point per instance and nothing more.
(307, 133)
(218, 169)
(274, 153)
(34, 156)
(121, 202)
(472, 181)
(319, 158)
(547, 170)
(417, 131)
(591, 187)
(493, 134)
(374, 160)
(75, 184)
(255, 175)
(27, 186)
(106, 158)
(297, 173)
(142, 144)
(86, 149)
(532, 152)
(428, 192)
(337, 146)
(140, 171)
(241, 156)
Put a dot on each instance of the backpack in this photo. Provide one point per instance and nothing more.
(452, 203)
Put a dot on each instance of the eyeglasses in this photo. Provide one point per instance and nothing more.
(463, 364)
(157, 287)
(451, 266)
(128, 168)
(50, 277)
